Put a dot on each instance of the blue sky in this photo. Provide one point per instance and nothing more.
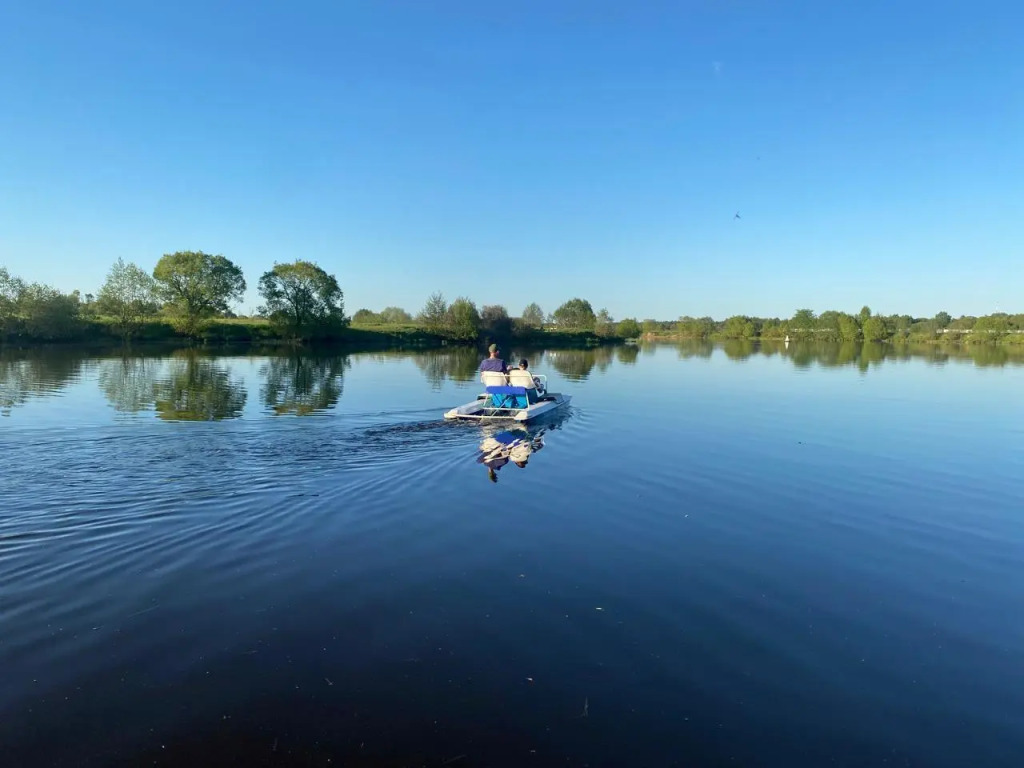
(529, 151)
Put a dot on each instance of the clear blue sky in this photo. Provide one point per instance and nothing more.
(528, 151)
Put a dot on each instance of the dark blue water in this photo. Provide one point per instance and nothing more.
(723, 556)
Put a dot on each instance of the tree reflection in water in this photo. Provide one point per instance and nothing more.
(196, 388)
(862, 355)
(303, 384)
(28, 375)
(578, 364)
(448, 364)
(128, 382)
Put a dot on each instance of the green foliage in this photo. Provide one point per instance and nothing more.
(604, 325)
(629, 328)
(575, 315)
(990, 328)
(495, 322)
(303, 300)
(695, 328)
(394, 316)
(387, 316)
(923, 329)
(128, 296)
(849, 328)
(366, 317)
(964, 323)
(873, 329)
(463, 320)
(49, 314)
(773, 329)
(11, 290)
(738, 327)
(827, 327)
(434, 315)
(533, 316)
(803, 323)
(197, 286)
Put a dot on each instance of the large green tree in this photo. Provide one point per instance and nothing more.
(463, 321)
(434, 314)
(804, 322)
(628, 328)
(575, 315)
(495, 321)
(128, 296)
(533, 316)
(604, 324)
(395, 316)
(849, 329)
(197, 285)
(874, 329)
(302, 299)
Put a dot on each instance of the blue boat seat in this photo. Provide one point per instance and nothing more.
(508, 397)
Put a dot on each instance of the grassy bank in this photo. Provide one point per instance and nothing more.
(103, 332)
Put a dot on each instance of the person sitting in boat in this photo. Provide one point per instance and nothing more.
(525, 378)
(493, 362)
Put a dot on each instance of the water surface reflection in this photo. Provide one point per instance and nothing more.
(198, 385)
(198, 388)
(25, 376)
(303, 384)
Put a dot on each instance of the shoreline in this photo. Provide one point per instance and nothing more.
(100, 335)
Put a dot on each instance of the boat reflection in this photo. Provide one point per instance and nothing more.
(513, 443)
(509, 446)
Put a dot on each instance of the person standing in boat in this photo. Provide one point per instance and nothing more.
(493, 362)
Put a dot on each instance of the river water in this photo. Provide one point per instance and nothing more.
(717, 556)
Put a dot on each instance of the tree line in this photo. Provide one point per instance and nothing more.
(832, 325)
(189, 289)
(186, 288)
(462, 320)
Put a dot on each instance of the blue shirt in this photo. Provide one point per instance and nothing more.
(494, 364)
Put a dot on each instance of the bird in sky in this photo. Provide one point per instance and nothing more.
(737, 215)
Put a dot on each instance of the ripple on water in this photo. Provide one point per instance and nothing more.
(729, 573)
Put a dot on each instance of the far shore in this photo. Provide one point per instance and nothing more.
(257, 332)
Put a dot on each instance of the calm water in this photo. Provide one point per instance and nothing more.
(799, 556)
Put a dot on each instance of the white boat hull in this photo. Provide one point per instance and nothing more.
(481, 410)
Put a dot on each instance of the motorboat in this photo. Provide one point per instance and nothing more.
(522, 396)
